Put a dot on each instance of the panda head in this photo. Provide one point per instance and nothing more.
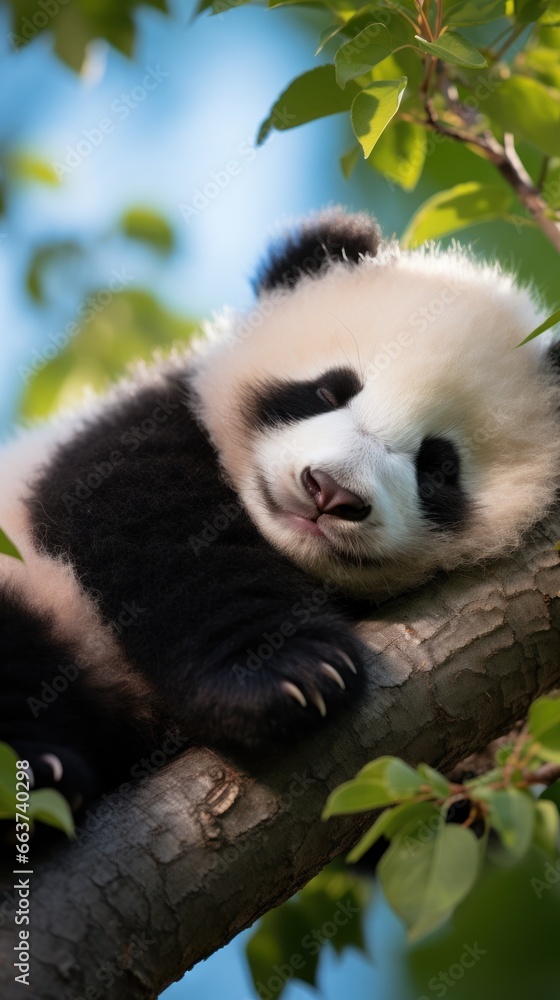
(372, 411)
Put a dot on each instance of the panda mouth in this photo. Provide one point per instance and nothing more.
(306, 521)
(315, 524)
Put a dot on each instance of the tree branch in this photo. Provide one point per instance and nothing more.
(505, 159)
(167, 871)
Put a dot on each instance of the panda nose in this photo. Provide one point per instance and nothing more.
(331, 498)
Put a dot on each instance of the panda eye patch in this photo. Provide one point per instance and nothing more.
(327, 396)
(438, 478)
(287, 402)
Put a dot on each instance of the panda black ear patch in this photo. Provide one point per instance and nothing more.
(552, 358)
(331, 236)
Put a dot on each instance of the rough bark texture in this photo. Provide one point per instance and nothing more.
(169, 870)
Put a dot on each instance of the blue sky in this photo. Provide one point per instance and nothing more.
(213, 80)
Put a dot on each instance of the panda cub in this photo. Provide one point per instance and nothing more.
(189, 539)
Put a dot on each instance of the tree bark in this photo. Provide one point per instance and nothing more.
(168, 870)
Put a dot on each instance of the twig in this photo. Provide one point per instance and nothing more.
(506, 160)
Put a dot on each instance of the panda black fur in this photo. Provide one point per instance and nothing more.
(187, 539)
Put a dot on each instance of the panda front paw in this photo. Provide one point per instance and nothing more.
(308, 681)
(61, 768)
(276, 688)
(316, 684)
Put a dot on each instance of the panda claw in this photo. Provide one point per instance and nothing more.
(334, 675)
(348, 661)
(319, 702)
(294, 692)
(55, 765)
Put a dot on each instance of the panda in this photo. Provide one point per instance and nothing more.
(193, 542)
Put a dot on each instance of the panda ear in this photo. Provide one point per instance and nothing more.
(551, 356)
(334, 235)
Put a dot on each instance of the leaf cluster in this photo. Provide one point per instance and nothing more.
(409, 74)
(434, 858)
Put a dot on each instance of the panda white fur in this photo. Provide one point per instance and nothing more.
(189, 539)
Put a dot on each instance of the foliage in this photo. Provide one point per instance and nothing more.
(406, 70)
(435, 856)
(7, 547)
(147, 226)
(76, 23)
(28, 807)
(461, 859)
(106, 337)
(289, 939)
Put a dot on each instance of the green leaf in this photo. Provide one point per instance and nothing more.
(8, 760)
(313, 95)
(551, 321)
(547, 826)
(551, 13)
(528, 109)
(371, 46)
(388, 824)
(425, 880)
(373, 109)
(326, 35)
(282, 933)
(475, 12)
(380, 783)
(7, 547)
(349, 29)
(458, 207)
(148, 226)
(349, 160)
(544, 726)
(48, 806)
(357, 796)
(552, 794)
(437, 782)
(24, 167)
(45, 257)
(400, 153)
(527, 11)
(112, 329)
(453, 48)
(399, 778)
(512, 814)
(503, 754)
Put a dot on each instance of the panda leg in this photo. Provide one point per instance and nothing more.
(271, 661)
(58, 766)
(47, 730)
